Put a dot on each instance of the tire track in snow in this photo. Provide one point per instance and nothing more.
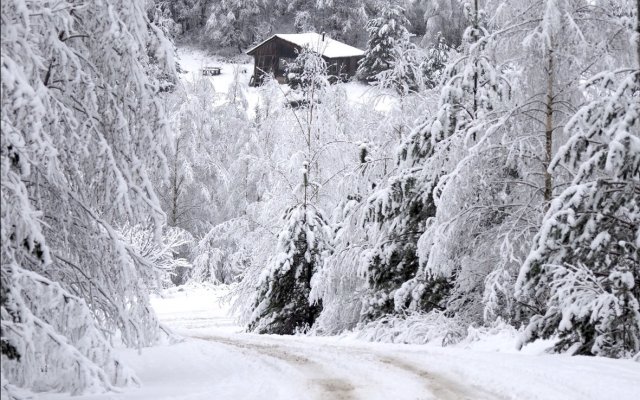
(443, 388)
(329, 387)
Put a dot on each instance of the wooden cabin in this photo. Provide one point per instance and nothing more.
(272, 55)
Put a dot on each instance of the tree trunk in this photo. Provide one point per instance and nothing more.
(548, 182)
(476, 25)
(638, 30)
(175, 192)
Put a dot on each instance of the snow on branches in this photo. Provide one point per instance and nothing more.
(282, 303)
(81, 126)
(585, 263)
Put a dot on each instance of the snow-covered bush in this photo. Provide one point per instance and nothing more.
(416, 328)
(307, 72)
(58, 344)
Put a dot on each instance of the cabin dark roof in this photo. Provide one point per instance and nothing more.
(328, 47)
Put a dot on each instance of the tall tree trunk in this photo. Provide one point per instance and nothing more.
(476, 25)
(548, 181)
(638, 30)
(175, 192)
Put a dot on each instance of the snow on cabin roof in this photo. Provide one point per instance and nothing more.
(328, 47)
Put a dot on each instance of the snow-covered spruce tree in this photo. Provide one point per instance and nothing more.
(564, 42)
(282, 304)
(400, 272)
(585, 262)
(387, 35)
(80, 127)
(326, 132)
(405, 69)
(463, 242)
(435, 62)
(338, 283)
(397, 216)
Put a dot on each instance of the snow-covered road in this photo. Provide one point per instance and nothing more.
(331, 371)
(315, 368)
(216, 361)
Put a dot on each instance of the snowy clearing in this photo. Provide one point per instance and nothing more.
(217, 360)
(192, 61)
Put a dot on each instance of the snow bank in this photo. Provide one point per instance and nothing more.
(436, 329)
(413, 329)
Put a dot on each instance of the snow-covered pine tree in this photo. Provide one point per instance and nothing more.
(388, 34)
(338, 284)
(397, 216)
(282, 304)
(585, 262)
(400, 272)
(314, 134)
(462, 242)
(81, 125)
(435, 62)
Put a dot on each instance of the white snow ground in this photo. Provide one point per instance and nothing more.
(192, 61)
(217, 361)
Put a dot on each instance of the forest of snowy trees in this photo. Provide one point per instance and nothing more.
(500, 186)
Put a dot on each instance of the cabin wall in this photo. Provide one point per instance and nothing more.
(269, 58)
(343, 66)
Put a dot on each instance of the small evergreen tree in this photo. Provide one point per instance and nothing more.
(282, 305)
(435, 62)
(387, 32)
